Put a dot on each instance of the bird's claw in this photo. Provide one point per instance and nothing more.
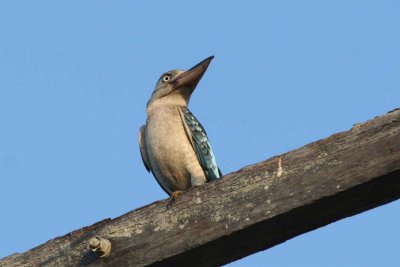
(175, 195)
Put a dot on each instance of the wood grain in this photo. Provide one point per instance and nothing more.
(250, 210)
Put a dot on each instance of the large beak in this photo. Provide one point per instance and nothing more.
(189, 79)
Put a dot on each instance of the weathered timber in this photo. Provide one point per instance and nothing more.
(246, 211)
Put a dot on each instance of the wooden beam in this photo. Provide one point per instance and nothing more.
(246, 211)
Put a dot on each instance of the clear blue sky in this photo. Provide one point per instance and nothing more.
(75, 77)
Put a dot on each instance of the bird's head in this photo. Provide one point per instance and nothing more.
(176, 86)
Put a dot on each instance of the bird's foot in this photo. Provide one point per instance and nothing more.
(175, 195)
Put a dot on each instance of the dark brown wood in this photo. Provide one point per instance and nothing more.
(246, 211)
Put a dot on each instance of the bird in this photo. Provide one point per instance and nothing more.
(173, 144)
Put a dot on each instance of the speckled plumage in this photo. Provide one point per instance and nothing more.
(173, 144)
(201, 145)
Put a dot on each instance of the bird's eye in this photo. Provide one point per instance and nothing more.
(166, 78)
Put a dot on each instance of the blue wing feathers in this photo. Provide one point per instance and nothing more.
(202, 146)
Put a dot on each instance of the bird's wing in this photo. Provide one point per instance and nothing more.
(198, 137)
(145, 155)
(143, 148)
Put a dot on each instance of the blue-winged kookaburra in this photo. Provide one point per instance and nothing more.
(173, 144)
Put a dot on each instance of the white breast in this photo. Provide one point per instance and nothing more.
(171, 154)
